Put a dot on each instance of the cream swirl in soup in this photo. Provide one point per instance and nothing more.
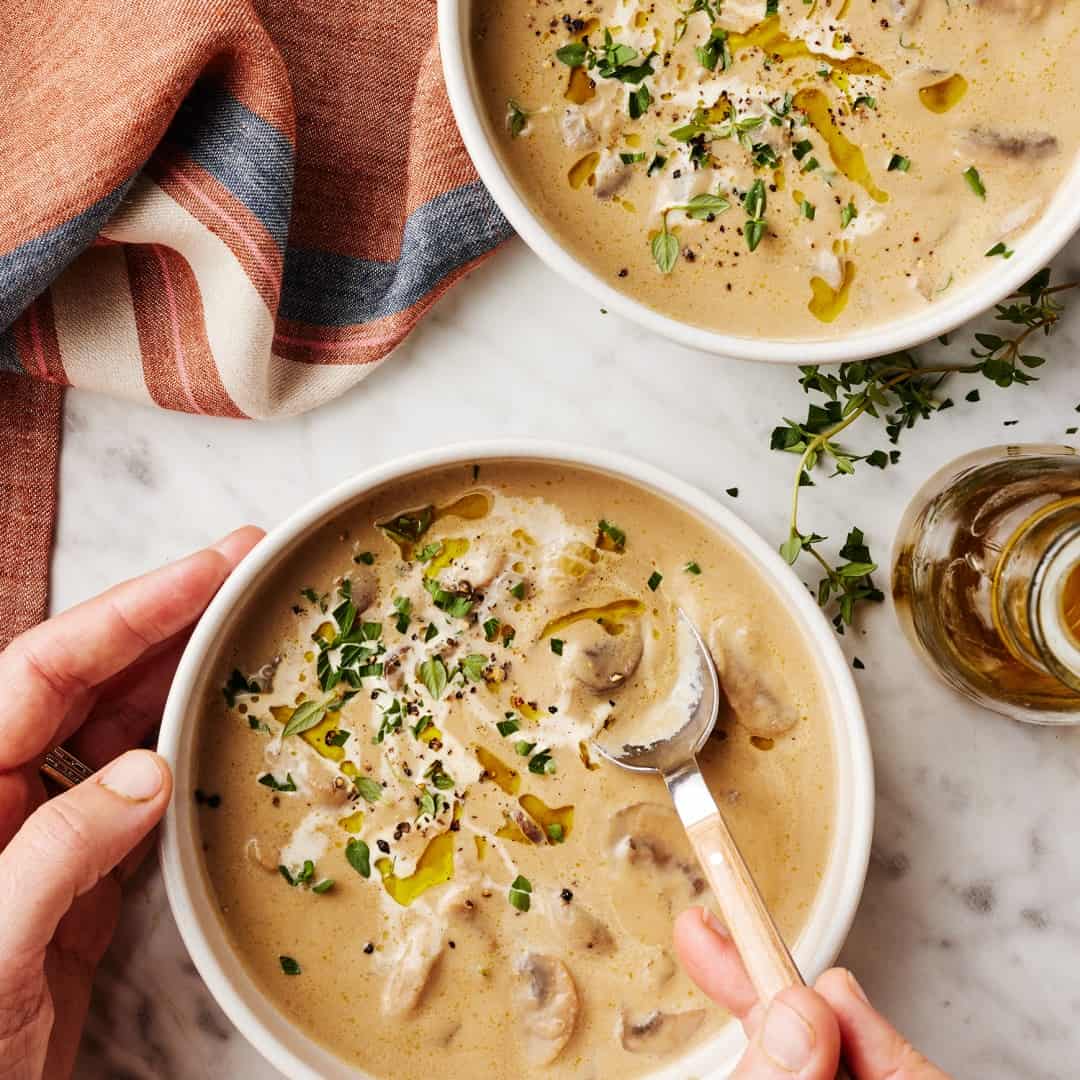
(779, 168)
(417, 853)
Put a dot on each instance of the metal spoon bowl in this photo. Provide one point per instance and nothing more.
(764, 954)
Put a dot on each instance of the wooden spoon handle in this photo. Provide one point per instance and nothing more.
(764, 954)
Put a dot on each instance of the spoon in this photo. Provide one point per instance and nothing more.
(764, 954)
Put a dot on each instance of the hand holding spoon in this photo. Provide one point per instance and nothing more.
(764, 954)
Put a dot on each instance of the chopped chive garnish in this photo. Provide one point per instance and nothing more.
(692, 568)
(289, 965)
(555, 833)
(1000, 249)
(523, 748)
(556, 646)
(808, 209)
(365, 557)
(518, 591)
(654, 580)
(899, 163)
(507, 726)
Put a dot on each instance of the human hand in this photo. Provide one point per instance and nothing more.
(799, 1036)
(94, 678)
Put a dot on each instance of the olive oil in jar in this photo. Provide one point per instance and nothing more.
(986, 579)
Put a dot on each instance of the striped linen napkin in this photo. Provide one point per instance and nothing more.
(233, 207)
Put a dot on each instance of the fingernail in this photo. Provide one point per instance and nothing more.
(860, 993)
(135, 776)
(714, 924)
(786, 1038)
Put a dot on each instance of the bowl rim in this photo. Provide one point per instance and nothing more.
(1033, 250)
(190, 896)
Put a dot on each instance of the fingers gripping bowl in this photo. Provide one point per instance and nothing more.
(875, 176)
(499, 898)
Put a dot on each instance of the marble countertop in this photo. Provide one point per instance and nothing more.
(968, 935)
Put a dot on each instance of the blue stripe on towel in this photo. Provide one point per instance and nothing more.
(27, 271)
(326, 289)
(241, 150)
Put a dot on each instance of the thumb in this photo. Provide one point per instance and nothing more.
(71, 842)
(796, 1039)
(873, 1047)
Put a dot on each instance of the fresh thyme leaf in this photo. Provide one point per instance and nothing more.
(472, 666)
(715, 51)
(403, 607)
(321, 602)
(422, 725)
(409, 527)
(809, 211)
(491, 629)
(974, 181)
(434, 675)
(542, 764)
(754, 204)
(692, 568)
(323, 886)
(305, 716)
(574, 54)
(358, 855)
(369, 790)
(847, 215)
(516, 118)
(520, 890)
(665, 250)
(609, 536)
(238, 683)
(270, 781)
(639, 101)
(365, 557)
(1000, 249)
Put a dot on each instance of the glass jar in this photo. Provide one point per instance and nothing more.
(986, 579)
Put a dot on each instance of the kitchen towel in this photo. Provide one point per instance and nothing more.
(232, 207)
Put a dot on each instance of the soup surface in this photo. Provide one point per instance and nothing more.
(417, 854)
(836, 162)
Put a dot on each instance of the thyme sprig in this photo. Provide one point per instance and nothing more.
(899, 390)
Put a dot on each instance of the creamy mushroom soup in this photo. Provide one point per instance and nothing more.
(782, 168)
(417, 854)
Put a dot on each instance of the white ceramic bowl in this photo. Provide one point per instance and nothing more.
(1001, 277)
(190, 894)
